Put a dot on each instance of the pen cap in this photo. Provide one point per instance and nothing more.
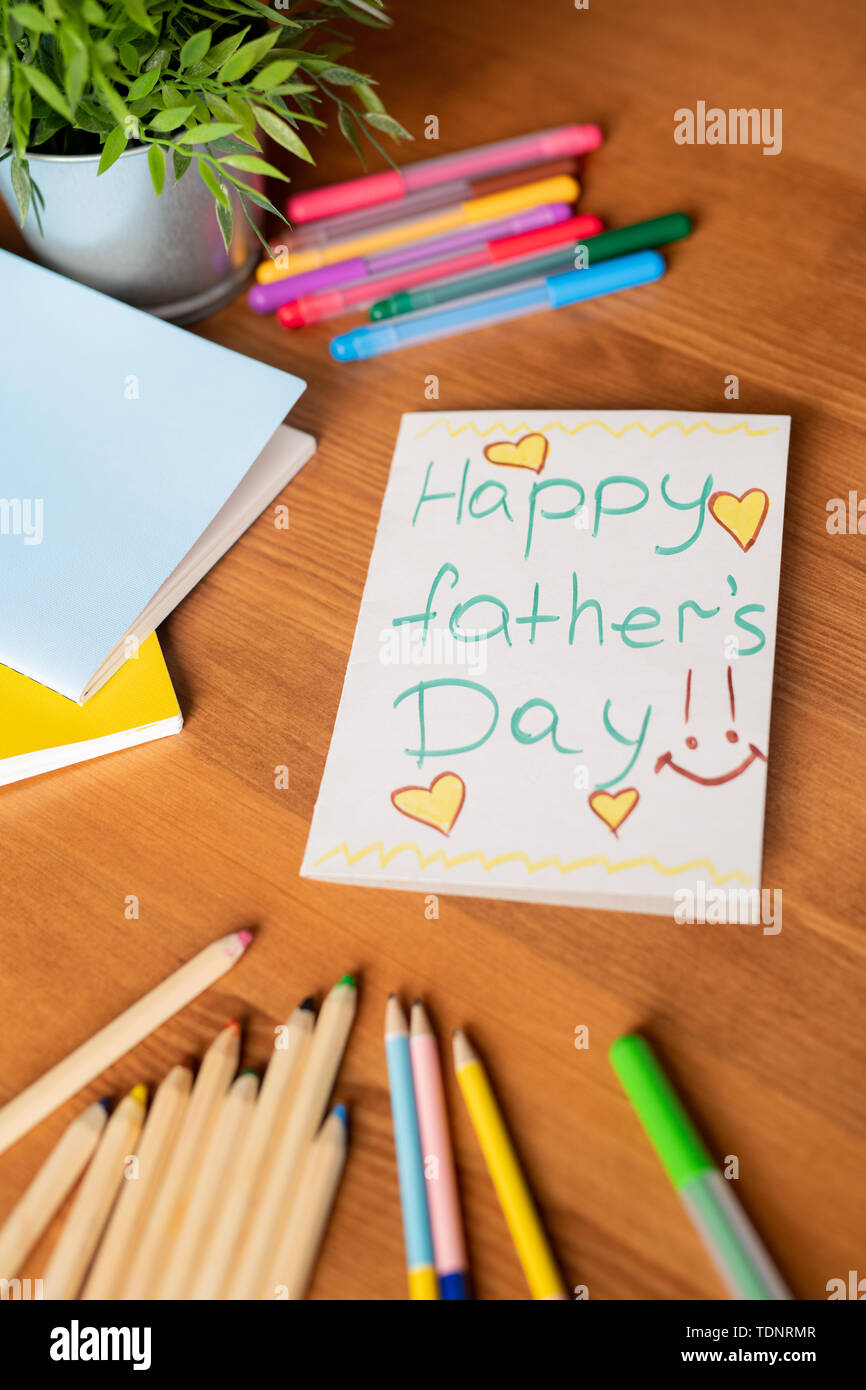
(670, 1131)
(559, 190)
(570, 140)
(620, 274)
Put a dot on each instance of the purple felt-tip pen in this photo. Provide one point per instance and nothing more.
(267, 298)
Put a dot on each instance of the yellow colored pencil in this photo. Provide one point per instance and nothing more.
(124, 1230)
(504, 1168)
(86, 1221)
(562, 189)
(163, 1223)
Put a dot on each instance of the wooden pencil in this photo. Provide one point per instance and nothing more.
(165, 1216)
(254, 1165)
(86, 1221)
(111, 1042)
(308, 1214)
(249, 1278)
(125, 1226)
(38, 1204)
(215, 1174)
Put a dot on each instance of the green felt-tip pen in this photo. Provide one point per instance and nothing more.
(733, 1244)
(640, 236)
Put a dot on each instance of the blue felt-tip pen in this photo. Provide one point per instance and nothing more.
(554, 292)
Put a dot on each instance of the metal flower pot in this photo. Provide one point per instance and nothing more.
(162, 254)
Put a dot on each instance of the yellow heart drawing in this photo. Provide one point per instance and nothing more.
(528, 452)
(742, 517)
(438, 805)
(613, 810)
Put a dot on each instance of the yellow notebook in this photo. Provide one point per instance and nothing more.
(41, 730)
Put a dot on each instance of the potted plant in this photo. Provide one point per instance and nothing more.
(131, 133)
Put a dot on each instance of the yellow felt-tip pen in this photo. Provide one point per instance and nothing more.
(503, 1165)
(562, 189)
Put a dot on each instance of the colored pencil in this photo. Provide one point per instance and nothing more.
(166, 1215)
(554, 292)
(563, 189)
(304, 1229)
(94, 1056)
(36, 1207)
(313, 308)
(86, 1220)
(137, 1196)
(330, 1035)
(216, 1171)
(264, 299)
(370, 189)
(330, 229)
(269, 1116)
(410, 1158)
(641, 236)
(503, 1165)
(729, 1237)
(443, 1200)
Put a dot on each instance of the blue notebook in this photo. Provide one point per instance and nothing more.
(134, 454)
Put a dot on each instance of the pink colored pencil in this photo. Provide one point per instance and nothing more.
(443, 1201)
(562, 142)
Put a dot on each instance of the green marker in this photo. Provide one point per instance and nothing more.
(733, 1244)
(641, 236)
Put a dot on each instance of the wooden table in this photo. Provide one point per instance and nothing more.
(764, 1034)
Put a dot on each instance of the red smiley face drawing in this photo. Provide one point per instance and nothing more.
(754, 754)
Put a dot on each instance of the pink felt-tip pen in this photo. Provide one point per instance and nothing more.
(443, 1201)
(267, 298)
(562, 141)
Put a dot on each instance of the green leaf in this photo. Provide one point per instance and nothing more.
(20, 176)
(246, 57)
(200, 134)
(158, 59)
(137, 11)
(282, 132)
(343, 77)
(218, 55)
(47, 90)
(211, 182)
(244, 116)
(252, 164)
(115, 144)
(346, 122)
(171, 96)
(195, 48)
(272, 74)
(181, 163)
(225, 218)
(171, 118)
(94, 13)
(76, 76)
(382, 121)
(32, 19)
(128, 56)
(5, 123)
(156, 164)
(369, 98)
(143, 85)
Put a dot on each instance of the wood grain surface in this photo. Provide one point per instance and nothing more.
(764, 1034)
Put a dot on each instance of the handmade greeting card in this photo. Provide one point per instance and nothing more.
(560, 684)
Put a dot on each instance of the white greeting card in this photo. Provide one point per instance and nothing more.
(560, 684)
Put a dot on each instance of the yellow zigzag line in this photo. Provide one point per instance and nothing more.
(600, 424)
(519, 856)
